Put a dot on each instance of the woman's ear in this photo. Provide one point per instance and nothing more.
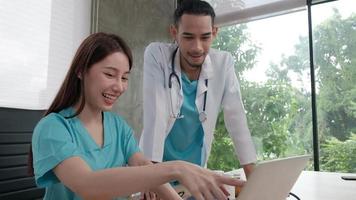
(79, 75)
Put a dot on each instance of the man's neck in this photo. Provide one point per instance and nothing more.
(192, 72)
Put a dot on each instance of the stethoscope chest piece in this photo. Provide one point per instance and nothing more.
(202, 116)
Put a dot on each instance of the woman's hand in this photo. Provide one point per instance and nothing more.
(149, 196)
(203, 183)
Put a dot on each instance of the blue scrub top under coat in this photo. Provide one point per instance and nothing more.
(185, 140)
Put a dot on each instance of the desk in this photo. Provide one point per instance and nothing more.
(313, 185)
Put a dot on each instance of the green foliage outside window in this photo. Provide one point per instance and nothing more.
(339, 155)
(279, 115)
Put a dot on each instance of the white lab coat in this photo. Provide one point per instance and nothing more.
(223, 92)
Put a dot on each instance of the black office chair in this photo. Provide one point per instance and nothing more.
(16, 126)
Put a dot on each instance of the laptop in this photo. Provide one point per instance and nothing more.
(270, 180)
(273, 180)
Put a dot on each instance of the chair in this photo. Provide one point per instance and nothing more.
(16, 126)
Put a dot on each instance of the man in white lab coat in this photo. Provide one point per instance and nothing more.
(186, 84)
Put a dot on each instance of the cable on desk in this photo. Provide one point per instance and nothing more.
(294, 195)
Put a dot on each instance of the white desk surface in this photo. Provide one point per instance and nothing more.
(313, 185)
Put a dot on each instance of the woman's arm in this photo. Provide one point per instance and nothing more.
(164, 191)
(122, 181)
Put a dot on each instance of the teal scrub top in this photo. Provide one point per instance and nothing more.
(57, 138)
(185, 140)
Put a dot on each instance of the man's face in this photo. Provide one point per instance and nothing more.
(194, 35)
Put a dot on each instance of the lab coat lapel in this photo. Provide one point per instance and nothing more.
(205, 74)
(179, 73)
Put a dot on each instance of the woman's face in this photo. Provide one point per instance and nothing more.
(105, 81)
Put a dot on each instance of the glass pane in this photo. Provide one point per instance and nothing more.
(24, 39)
(226, 6)
(272, 63)
(334, 37)
(37, 43)
(230, 12)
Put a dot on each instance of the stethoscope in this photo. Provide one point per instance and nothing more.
(178, 115)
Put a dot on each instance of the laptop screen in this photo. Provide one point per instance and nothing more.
(273, 180)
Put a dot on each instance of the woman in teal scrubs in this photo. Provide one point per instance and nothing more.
(83, 151)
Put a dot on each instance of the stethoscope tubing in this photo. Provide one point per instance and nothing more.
(202, 115)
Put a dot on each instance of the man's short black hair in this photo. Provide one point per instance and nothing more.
(193, 7)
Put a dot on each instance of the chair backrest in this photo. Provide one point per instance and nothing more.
(16, 126)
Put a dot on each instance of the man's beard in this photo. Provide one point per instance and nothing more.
(192, 64)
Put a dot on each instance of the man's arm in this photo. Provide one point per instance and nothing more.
(248, 168)
(235, 118)
(154, 110)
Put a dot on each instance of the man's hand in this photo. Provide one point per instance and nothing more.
(248, 169)
(149, 196)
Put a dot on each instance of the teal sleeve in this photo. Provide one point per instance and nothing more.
(131, 146)
(51, 144)
(128, 140)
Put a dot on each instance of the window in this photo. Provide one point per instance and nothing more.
(38, 39)
(334, 38)
(276, 99)
(273, 64)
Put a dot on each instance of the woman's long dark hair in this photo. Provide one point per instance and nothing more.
(92, 50)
